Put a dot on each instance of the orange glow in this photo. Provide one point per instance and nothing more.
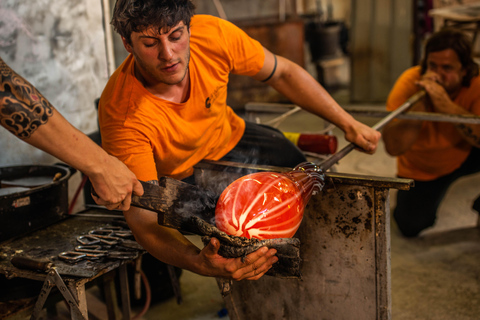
(267, 205)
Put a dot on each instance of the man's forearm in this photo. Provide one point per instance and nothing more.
(165, 244)
(400, 135)
(470, 132)
(22, 108)
(443, 102)
(302, 89)
(29, 116)
(25, 112)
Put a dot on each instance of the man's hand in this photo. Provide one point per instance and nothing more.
(114, 184)
(251, 267)
(363, 137)
(438, 96)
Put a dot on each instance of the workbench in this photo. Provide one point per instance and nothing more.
(48, 243)
(345, 252)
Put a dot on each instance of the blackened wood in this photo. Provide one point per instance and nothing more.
(188, 208)
(176, 202)
(288, 249)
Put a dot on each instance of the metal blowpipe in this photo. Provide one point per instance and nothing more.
(330, 161)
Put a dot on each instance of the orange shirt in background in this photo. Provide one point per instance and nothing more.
(440, 149)
(156, 137)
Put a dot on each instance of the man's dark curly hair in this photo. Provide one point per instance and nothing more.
(459, 42)
(137, 15)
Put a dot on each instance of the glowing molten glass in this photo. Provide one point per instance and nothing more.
(267, 205)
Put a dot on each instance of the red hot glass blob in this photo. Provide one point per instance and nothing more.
(265, 205)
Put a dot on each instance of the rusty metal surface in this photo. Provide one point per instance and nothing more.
(333, 178)
(47, 243)
(382, 254)
(344, 249)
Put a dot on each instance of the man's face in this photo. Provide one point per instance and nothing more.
(447, 66)
(161, 58)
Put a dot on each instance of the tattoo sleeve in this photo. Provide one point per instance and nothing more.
(469, 133)
(22, 108)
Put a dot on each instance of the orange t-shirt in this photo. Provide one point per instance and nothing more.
(156, 137)
(440, 149)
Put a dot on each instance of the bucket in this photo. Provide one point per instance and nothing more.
(325, 40)
(32, 198)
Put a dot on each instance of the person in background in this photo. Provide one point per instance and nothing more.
(164, 110)
(435, 154)
(29, 116)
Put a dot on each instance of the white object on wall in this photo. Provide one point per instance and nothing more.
(59, 47)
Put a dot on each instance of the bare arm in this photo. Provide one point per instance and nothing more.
(302, 89)
(442, 103)
(30, 116)
(170, 246)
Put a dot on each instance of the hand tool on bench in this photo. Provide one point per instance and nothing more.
(27, 263)
(53, 279)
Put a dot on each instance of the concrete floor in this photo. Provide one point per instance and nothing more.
(436, 276)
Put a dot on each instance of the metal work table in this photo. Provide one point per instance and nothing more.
(345, 252)
(47, 243)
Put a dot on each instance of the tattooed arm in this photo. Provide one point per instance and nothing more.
(442, 102)
(30, 116)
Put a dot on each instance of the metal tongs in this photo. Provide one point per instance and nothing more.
(98, 244)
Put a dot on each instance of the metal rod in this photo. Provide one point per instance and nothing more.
(334, 158)
(375, 112)
(275, 122)
(412, 100)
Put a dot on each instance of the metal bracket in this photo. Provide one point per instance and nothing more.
(54, 278)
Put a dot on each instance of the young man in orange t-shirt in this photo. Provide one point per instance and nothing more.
(435, 154)
(164, 110)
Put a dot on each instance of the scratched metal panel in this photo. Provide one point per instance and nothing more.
(339, 273)
(382, 261)
(59, 47)
(345, 251)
